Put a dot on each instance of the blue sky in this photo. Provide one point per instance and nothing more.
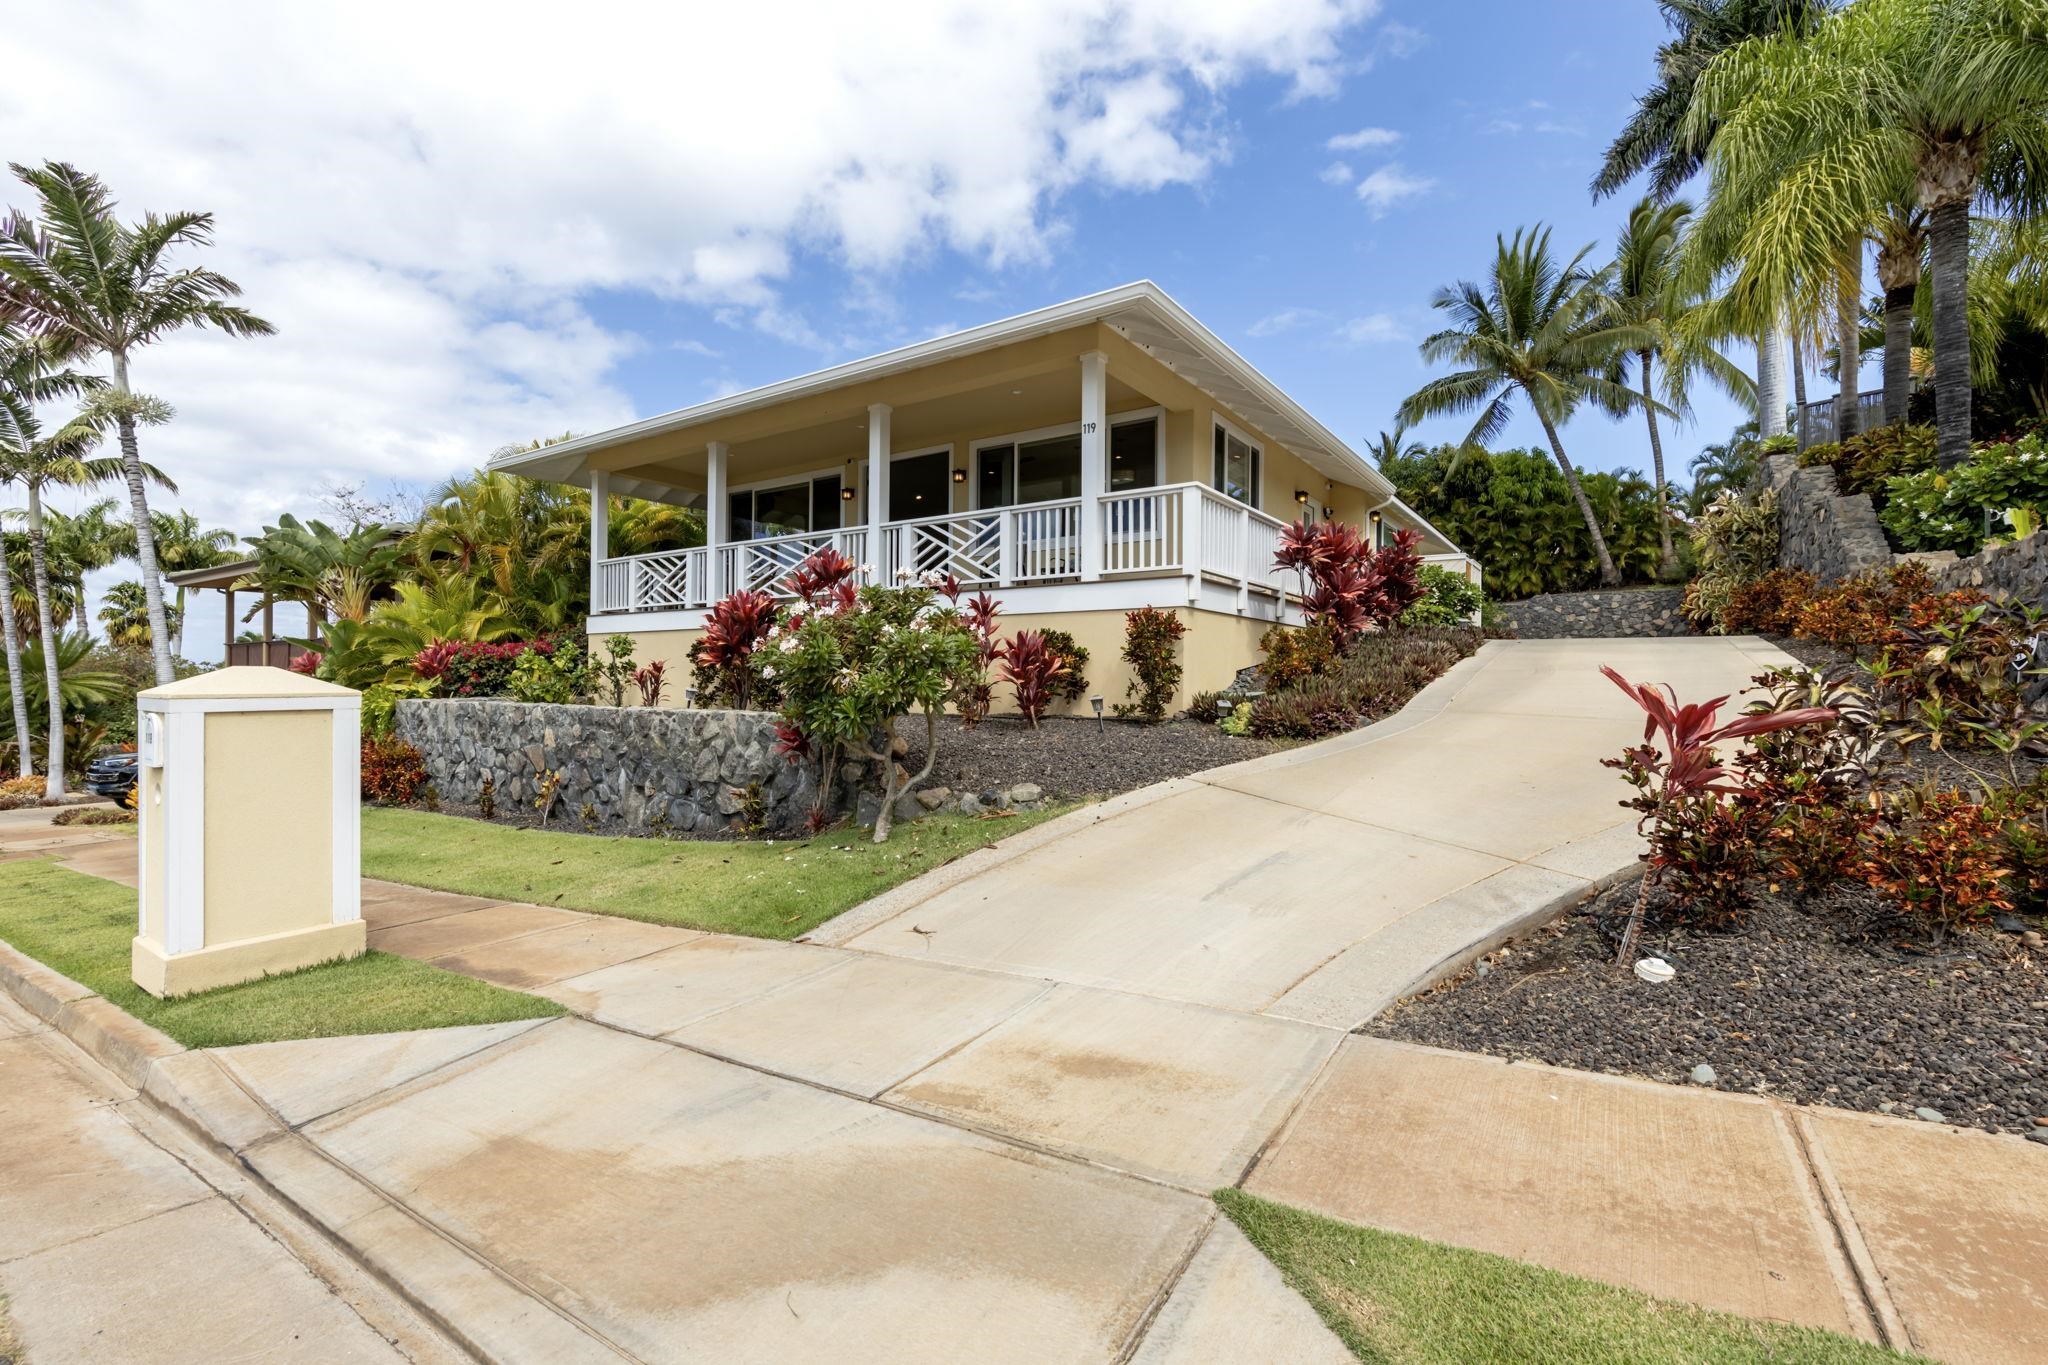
(489, 233)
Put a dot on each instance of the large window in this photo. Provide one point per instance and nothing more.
(917, 485)
(786, 508)
(1048, 468)
(1237, 466)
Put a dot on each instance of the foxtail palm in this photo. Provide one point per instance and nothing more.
(1540, 329)
(1648, 294)
(1901, 238)
(181, 543)
(1813, 139)
(1665, 138)
(95, 285)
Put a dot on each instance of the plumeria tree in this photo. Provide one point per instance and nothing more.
(853, 669)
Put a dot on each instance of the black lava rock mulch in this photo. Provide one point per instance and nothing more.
(1070, 757)
(1829, 1004)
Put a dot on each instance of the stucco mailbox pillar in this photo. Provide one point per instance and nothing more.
(249, 836)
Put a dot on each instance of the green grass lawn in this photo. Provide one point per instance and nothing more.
(778, 889)
(82, 926)
(1395, 1298)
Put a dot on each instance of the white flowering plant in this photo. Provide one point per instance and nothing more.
(1945, 509)
(849, 676)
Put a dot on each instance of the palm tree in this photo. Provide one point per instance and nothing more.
(1901, 238)
(1815, 137)
(182, 544)
(1724, 465)
(30, 374)
(335, 573)
(1665, 137)
(1648, 294)
(124, 611)
(1393, 445)
(1545, 331)
(94, 284)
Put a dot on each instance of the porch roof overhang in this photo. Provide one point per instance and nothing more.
(1143, 313)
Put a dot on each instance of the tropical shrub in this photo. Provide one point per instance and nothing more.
(1152, 649)
(1704, 845)
(1448, 599)
(1945, 509)
(1943, 857)
(1769, 605)
(1295, 654)
(974, 694)
(850, 673)
(473, 668)
(1312, 710)
(1735, 541)
(560, 676)
(1032, 670)
(724, 666)
(393, 770)
(380, 703)
(1238, 723)
(1351, 587)
(649, 680)
(1867, 461)
(1375, 677)
(1072, 683)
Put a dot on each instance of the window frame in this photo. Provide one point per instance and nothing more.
(1257, 501)
(919, 453)
(807, 481)
(1156, 413)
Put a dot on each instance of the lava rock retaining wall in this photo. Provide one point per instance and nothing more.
(644, 766)
(1598, 615)
(1821, 529)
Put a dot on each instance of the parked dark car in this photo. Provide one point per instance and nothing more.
(112, 776)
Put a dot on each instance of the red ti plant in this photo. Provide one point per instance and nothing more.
(649, 680)
(1681, 768)
(973, 694)
(1032, 668)
(737, 627)
(1352, 588)
(823, 579)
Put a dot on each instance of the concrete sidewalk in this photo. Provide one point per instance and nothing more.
(989, 1126)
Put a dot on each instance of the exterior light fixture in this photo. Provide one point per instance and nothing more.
(1096, 704)
(845, 493)
(1301, 496)
(959, 476)
(689, 696)
(1223, 708)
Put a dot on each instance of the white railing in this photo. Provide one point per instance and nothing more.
(1187, 531)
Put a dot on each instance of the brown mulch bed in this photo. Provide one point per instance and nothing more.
(1816, 1003)
(1070, 757)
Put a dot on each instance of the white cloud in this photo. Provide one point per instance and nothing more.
(1373, 327)
(426, 218)
(1362, 140)
(1388, 186)
(1286, 320)
(1336, 173)
(695, 347)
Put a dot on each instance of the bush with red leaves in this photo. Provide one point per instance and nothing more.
(1352, 588)
(725, 674)
(473, 668)
(1033, 670)
(393, 770)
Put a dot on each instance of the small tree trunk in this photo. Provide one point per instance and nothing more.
(1667, 557)
(26, 754)
(1849, 340)
(1633, 930)
(1950, 258)
(1798, 374)
(891, 794)
(178, 632)
(145, 533)
(1898, 351)
(53, 779)
(1609, 577)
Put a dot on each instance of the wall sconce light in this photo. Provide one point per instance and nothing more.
(1096, 704)
(689, 696)
(846, 493)
(1224, 708)
(959, 476)
(1301, 496)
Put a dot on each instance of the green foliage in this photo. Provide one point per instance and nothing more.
(1735, 541)
(1513, 512)
(1071, 685)
(560, 676)
(1374, 677)
(380, 703)
(1294, 654)
(1239, 722)
(1152, 649)
(1945, 509)
(1868, 461)
(1448, 599)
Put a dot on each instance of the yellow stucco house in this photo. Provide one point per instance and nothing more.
(1076, 462)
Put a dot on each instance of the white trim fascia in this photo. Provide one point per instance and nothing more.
(176, 706)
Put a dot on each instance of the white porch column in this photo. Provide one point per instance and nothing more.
(717, 517)
(600, 535)
(1094, 459)
(878, 492)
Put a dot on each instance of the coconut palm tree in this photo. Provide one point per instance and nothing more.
(1545, 331)
(1665, 138)
(124, 611)
(30, 374)
(1393, 445)
(93, 284)
(1814, 137)
(1648, 293)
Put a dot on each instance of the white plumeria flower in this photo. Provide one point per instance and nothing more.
(788, 646)
(903, 575)
(767, 670)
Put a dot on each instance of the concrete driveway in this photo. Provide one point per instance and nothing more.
(1320, 883)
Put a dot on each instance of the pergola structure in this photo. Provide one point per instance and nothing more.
(267, 652)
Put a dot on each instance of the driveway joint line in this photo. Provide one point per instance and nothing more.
(84, 1237)
(1875, 1299)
